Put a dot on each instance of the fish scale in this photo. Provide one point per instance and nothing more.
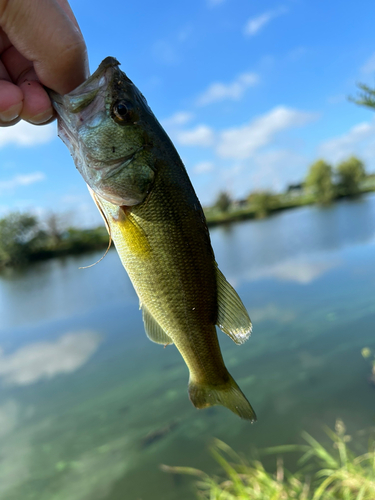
(154, 217)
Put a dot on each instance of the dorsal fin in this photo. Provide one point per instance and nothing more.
(153, 330)
(232, 318)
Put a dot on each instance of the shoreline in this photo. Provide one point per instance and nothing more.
(249, 213)
(76, 241)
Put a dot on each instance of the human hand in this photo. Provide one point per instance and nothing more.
(40, 44)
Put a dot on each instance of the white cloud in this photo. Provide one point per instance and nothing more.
(369, 66)
(219, 91)
(242, 142)
(359, 139)
(179, 118)
(273, 169)
(265, 170)
(45, 360)
(255, 24)
(204, 167)
(25, 134)
(21, 180)
(298, 270)
(259, 161)
(201, 135)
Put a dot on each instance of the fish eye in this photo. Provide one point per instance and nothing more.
(122, 111)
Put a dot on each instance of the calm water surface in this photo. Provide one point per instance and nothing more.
(89, 408)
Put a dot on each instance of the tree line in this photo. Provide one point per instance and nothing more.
(328, 183)
(323, 184)
(26, 238)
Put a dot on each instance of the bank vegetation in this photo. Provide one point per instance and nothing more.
(26, 238)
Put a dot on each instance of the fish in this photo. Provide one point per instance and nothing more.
(142, 190)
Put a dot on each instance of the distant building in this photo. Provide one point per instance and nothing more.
(295, 189)
(239, 203)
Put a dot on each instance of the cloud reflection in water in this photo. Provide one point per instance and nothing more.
(299, 270)
(45, 360)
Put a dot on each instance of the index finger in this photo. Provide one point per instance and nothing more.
(46, 33)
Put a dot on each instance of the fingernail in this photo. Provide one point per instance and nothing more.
(42, 117)
(11, 113)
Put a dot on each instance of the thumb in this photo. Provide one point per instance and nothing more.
(45, 32)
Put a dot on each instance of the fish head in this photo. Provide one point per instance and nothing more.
(104, 123)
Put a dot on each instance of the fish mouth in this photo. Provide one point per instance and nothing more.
(106, 69)
(73, 108)
(117, 164)
(82, 95)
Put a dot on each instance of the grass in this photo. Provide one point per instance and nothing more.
(333, 473)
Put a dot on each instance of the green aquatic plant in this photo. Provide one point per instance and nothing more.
(325, 474)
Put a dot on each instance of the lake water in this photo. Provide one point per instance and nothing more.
(89, 408)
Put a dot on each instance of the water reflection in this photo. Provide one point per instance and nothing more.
(271, 312)
(15, 459)
(45, 360)
(77, 407)
(59, 289)
(294, 236)
(300, 270)
(93, 474)
(9, 416)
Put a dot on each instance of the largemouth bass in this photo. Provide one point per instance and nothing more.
(153, 215)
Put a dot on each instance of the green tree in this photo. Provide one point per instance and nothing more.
(366, 96)
(319, 179)
(350, 174)
(223, 201)
(262, 202)
(55, 226)
(20, 236)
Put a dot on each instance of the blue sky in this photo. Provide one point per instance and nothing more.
(251, 93)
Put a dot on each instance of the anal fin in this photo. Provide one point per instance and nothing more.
(232, 318)
(153, 330)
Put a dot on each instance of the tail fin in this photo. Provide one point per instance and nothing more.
(229, 395)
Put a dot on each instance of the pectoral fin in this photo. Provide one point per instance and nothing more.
(153, 330)
(232, 318)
